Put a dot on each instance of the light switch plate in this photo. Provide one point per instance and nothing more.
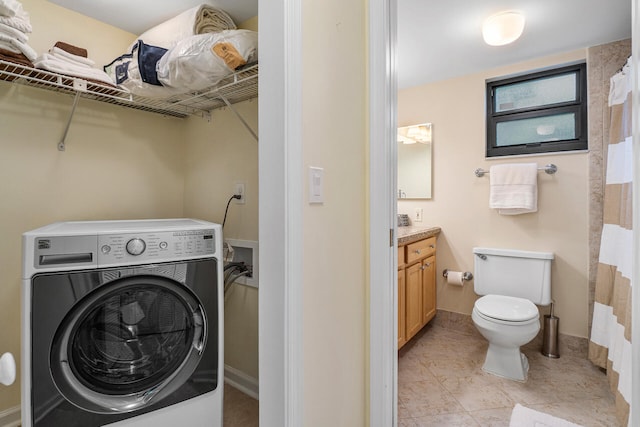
(316, 185)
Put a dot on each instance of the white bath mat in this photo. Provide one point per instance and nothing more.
(525, 417)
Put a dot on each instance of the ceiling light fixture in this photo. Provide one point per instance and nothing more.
(503, 28)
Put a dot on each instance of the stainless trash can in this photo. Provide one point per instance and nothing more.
(550, 335)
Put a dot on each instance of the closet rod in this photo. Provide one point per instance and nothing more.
(246, 125)
(61, 144)
(549, 169)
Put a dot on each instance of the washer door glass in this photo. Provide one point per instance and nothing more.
(128, 344)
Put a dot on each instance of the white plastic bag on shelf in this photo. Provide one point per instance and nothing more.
(203, 60)
(136, 71)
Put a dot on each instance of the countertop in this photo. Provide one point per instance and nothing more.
(413, 233)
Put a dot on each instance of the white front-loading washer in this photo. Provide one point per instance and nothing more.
(122, 324)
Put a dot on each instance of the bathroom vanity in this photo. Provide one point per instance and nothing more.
(416, 279)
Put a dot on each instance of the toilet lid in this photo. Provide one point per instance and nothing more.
(511, 309)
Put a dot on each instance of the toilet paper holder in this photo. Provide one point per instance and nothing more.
(466, 276)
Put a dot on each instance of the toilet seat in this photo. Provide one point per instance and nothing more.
(506, 309)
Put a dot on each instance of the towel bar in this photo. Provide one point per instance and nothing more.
(550, 169)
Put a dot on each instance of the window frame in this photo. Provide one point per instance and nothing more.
(578, 107)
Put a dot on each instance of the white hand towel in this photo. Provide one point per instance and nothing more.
(514, 188)
(71, 58)
(24, 48)
(12, 32)
(10, 7)
(19, 22)
(48, 62)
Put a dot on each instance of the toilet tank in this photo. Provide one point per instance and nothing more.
(514, 273)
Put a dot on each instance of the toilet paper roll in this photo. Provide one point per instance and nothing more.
(455, 278)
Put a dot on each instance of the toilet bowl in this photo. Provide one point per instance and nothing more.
(507, 323)
(511, 283)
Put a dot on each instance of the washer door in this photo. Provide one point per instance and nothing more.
(128, 344)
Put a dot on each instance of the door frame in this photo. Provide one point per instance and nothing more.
(383, 285)
(280, 213)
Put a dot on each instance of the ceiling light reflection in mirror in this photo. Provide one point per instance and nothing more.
(414, 161)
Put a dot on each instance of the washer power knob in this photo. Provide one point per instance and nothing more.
(136, 246)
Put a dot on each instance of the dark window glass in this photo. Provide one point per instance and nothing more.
(540, 112)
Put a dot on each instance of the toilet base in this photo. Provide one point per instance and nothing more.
(506, 362)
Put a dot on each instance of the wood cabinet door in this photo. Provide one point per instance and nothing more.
(402, 324)
(413, 298)
(428, 289)
(401, 257)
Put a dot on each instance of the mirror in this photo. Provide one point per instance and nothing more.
(414, 161)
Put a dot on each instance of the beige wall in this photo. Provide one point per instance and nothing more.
(52, 23)
(334, 291)
(460, 207)
(118, 164)
(218, 154)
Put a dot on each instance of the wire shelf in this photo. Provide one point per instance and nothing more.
(239, 86)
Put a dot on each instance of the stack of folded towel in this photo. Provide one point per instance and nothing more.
(14, 27)
(64, 58)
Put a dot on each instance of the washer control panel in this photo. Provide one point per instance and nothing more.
(155, 246)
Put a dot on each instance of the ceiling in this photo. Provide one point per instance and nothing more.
(137, 16)
(437, 39)
(440, 39)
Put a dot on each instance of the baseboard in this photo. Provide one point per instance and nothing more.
(10, 417)
(241, 381)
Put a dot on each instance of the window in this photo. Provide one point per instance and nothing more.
(540, 112)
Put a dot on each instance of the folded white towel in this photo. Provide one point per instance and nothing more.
(48, 62)
(71, 58)
(8, 46)
(23, 47)
(514, 188)
(12, 32)
(525, 417)
(19, 22)
(10, 7)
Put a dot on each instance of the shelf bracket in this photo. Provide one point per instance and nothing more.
(246, 125)
(61, 144)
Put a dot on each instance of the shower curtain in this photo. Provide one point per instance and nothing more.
(610, 343)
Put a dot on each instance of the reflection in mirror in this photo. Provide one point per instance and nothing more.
(414, 161)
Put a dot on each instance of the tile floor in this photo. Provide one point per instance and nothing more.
(441, 383)
(240, 410)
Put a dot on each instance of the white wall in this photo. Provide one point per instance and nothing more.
(460, 206)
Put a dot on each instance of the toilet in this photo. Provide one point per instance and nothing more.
(511, 283)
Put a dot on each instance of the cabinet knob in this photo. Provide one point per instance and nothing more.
(428, 264)
(417, 251)
(432, 246)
